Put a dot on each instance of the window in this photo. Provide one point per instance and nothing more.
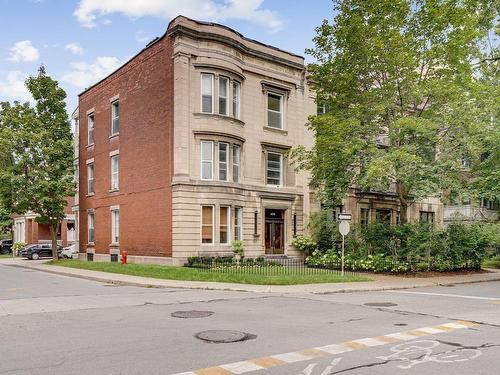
(207, 92)
(238, 223)
(236, 99)
(273, 169)
(322, 109)
(223, 151)
(115, 167)
(90, 227)
(364, 216)
(224, 222)
(223, 93)
(383, 216)
(90, 178)
(236, 163)
(115, 117)
(207, 224)
(274, 110)
(207, 157)
(90, 130)
(487, 203)
(427, 217)
(115, 226)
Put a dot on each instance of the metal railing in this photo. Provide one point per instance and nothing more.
(263, 266)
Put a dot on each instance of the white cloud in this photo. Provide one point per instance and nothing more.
(13, 88)
(212, 10)
(85, 74)
(23, 51)
(74, 48)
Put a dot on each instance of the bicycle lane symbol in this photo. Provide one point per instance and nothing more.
(310, 368)
(418, 352)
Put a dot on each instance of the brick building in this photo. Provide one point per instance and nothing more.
(183, 149)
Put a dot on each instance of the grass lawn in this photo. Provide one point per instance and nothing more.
(184, 273)
(5, 256)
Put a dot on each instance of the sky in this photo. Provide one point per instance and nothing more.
(80, 42)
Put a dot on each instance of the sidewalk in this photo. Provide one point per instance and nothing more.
(380, 282)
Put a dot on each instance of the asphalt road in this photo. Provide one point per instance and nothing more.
(52, 324)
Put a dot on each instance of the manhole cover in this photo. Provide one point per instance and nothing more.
(191, 314)
(381, 304)
(222, 336)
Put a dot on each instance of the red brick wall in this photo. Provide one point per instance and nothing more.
(145, 89)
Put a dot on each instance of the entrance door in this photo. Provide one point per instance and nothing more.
(274, 231)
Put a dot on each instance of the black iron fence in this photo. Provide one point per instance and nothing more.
(263, 266)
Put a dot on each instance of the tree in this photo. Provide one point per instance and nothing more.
(399, 79)
(39, 145)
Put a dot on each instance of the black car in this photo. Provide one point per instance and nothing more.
(5, 246)
(39, 250)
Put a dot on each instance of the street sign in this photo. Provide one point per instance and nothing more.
(344, 228)
(344, 216)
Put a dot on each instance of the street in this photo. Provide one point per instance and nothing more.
(53, 324)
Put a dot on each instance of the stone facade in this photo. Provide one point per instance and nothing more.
(168, 210)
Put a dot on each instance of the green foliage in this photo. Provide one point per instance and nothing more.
(402, 74)
(412, 247)
(37, 153)
(237, 246)
(304, 244)
(322, 230)
(5, 220)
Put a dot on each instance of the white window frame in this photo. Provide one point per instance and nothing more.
(281, 168)
(236, 163)
(219, 97)
(227, 225)
(90, 178)
(212, 91)
(225, 163)
(90, 214)
(236, 95)
(114, 116)
(211, 161)
(90, 129)
(238, 223)
(115, 225)
(280, 112)
(115, 174)
(202, 225)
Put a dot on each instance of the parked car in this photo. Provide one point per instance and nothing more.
(5, 246)
(39, 250)
(68, 251)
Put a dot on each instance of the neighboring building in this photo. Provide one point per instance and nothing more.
(76, 147)
(484, 210)
(29, 231)
(183, 149)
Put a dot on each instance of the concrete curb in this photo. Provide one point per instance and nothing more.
(354, 287)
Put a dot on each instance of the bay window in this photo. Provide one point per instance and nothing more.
(207, 157)
(236, 163)
(223, 94)
(236, 99)
(238, 223)
(207, 224)
(207, 92)
(223, 156)
(224, 224)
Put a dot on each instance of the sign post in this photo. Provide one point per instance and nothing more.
(344, 229)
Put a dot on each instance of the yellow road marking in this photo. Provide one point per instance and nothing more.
(313, 353)
(444, 328)
(267, 362)
(353, 345)
(213, 371)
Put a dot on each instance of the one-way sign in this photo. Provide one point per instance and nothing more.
(343, 217)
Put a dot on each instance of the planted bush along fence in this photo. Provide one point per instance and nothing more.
(407, 248)
(263, 266)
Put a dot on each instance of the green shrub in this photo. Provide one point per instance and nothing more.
(304, 244)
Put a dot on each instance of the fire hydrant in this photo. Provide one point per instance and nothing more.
(123, 259)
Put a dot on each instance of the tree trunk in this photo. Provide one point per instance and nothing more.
(402, 193)
(53, 237)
